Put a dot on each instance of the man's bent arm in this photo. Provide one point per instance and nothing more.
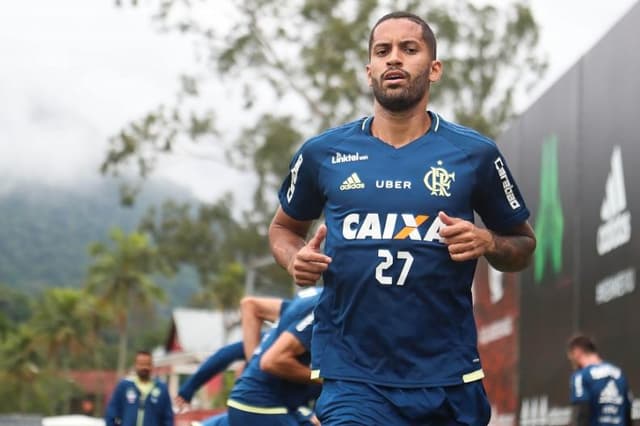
(513, 251)
(215, 364)
(305, 262)
(281, 359)
(287, 237)
(254, 312)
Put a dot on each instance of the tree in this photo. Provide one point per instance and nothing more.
(14, 309)
(310, 55)
(120, 277)
(60, 331)
(20, 364)
(58, 325)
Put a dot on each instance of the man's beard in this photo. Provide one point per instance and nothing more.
(143, 375)
(404, 99)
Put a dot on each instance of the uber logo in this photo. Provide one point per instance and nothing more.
(393, 184)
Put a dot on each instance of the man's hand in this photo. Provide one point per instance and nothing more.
(464, 240)
(181, 403)
(307, 266)
(510, 251)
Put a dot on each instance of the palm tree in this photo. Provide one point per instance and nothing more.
(120, 277)
(19, 366)
(59, 326)
(61, 329)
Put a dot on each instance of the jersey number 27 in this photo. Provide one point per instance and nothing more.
(387, 261)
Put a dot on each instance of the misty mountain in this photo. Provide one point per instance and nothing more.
(45, 230)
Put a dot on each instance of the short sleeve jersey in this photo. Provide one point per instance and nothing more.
(258, 388)
(605, 389)
(396, 309)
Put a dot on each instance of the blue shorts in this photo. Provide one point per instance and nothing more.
(244, 418)
(354, 403)
(217, 420)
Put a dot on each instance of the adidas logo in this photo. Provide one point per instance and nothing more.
(610, 394)
(616, 229)
(352, 182)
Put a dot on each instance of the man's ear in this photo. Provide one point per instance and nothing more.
(368, 70)
(435, 71)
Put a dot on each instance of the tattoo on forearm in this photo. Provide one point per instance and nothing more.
(512, 252)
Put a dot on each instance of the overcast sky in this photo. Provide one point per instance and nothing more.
(73, 72)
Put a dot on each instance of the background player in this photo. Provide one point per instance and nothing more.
(255, 311)
(276, 382)
(599, 390)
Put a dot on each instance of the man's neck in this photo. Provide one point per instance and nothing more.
(400, 128)
(591, 359)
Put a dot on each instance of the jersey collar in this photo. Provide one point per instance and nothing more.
(435, 123)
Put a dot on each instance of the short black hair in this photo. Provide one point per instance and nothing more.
(144, 352)
(427, 34)
(580, 341)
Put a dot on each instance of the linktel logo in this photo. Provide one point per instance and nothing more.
(549, 224)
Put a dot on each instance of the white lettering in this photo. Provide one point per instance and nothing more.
(387, 262)
(635, 409)
(349, 232)
(393, 184)
(615, 286)
(386, 227)
(410, 222)
(602, 371)
(370, 228)
(610, 409)
(507, 186)
(306, 322)
(614, 233)
(577, 384)
(351, 185)
(433, 233)
(340, 157)
(294, 178)
(535, 411)
(390, 226)
(495, 331)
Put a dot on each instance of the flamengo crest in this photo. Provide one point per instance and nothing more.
(438, 180)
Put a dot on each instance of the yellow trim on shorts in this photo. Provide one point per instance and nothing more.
(472, 377)
(256, 410)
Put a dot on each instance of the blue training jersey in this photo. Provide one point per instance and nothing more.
(396, 310)
(257, 388)
(605, 389)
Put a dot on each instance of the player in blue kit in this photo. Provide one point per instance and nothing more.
(395, 337)
(277, 381)
(599, 390)
(280, 355)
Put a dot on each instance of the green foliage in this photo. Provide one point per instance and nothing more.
(66, 325)
(218, 246)
(489, 55)
(120, 278)
(261, 149)
(60, 330)
(19, 368)
(60, 326)
(14, 309)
